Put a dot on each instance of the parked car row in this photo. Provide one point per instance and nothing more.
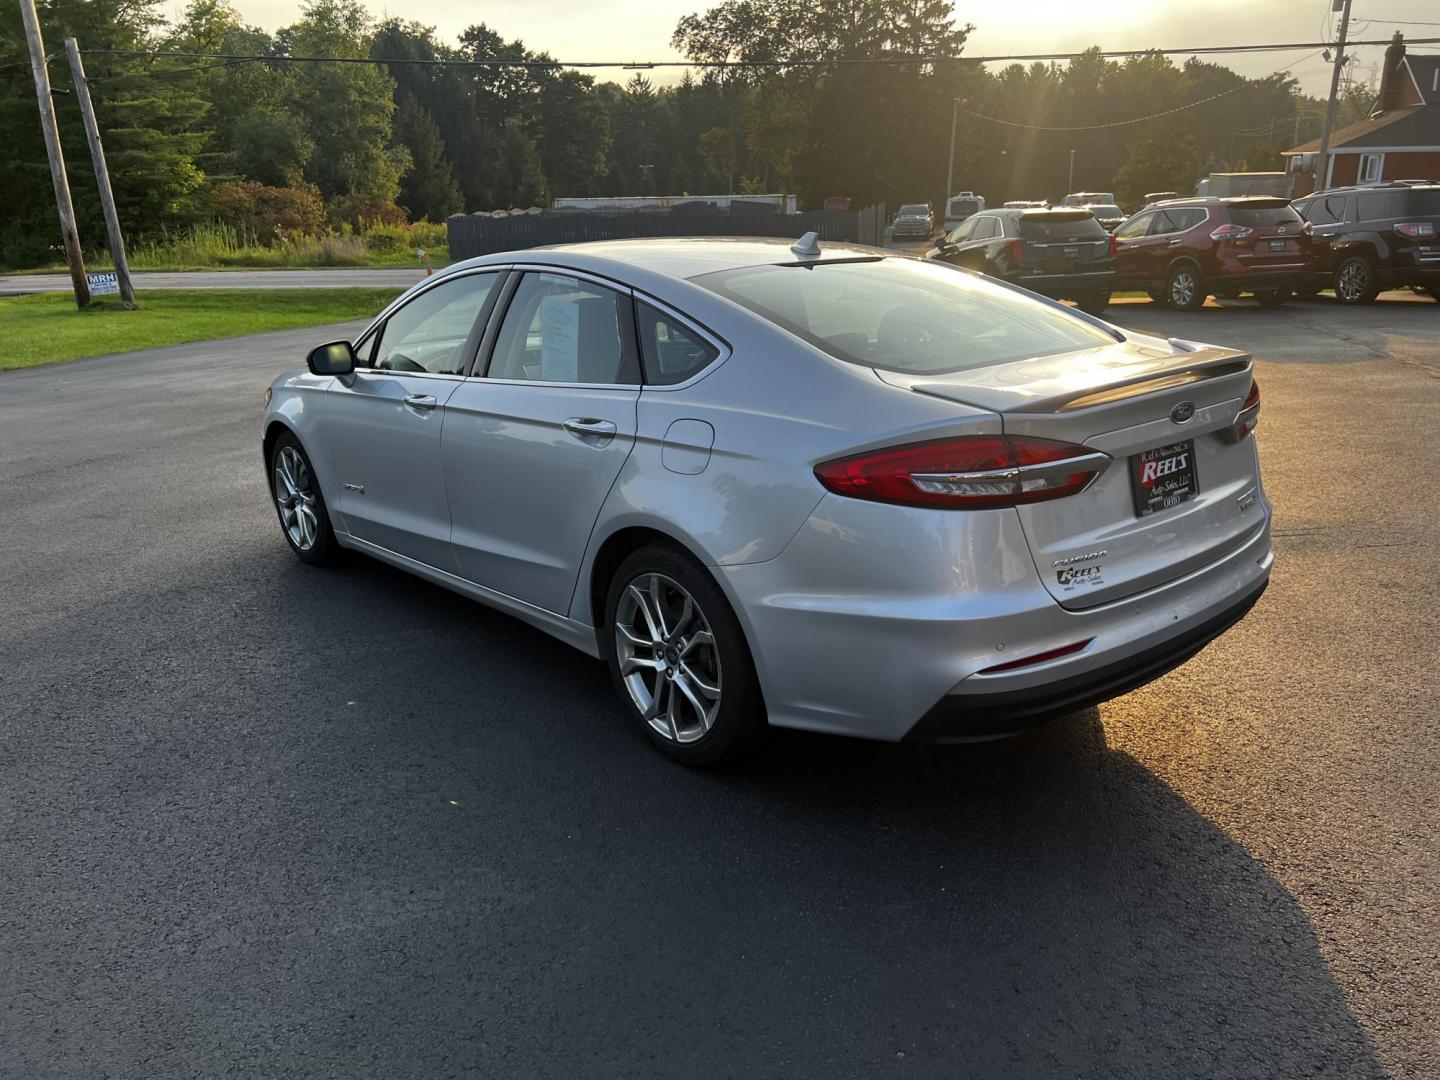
(1356, 241)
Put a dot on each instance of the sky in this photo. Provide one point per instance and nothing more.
(640, 29)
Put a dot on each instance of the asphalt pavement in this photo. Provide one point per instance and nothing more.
(324, 278)
(259, 819)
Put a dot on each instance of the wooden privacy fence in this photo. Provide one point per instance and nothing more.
(478, 234)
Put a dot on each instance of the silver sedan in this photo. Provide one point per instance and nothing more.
(842, 490)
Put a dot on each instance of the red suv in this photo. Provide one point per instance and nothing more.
(1184, 250)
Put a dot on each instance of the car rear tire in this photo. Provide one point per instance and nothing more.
(678, 659)
(1355, 281)
(299, 503)
(1273, 298)
(1093, 303)
(1184, 291)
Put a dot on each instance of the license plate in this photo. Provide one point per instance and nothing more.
(1277, 245)
(1163, 477)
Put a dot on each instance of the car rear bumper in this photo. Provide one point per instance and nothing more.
(1066, 286)
(1261, 280)
(963, 716)
(1400, 276)
(875, 619)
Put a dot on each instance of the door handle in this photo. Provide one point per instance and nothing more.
(424, 402)
(588, 429)
(1176, 242)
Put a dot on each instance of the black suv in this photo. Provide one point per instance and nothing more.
(1062, 253)
(1381, 236)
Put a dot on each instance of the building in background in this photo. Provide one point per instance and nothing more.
(1400, 140)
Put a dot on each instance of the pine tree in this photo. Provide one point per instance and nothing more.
(428, 190)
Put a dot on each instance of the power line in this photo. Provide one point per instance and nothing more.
(1204, 50)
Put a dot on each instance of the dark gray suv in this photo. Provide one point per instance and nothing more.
(1383, 236)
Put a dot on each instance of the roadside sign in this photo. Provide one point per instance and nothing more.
(103, 284)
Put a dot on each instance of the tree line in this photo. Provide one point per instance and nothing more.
(280, 145)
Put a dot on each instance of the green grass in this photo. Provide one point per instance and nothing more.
(47, 328)
(216, 246)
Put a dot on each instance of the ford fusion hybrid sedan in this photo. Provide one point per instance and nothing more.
(836, 489)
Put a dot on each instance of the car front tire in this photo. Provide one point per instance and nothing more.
(678, 659)
(299, 503)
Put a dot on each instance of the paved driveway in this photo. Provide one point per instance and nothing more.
(258, 819)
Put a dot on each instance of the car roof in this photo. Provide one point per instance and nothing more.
(674, 257)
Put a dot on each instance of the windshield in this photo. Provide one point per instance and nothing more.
(1075, 225)
(962, 207)
(914, 210)
(905, 315)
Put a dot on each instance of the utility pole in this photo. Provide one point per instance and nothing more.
(1322, 160)
(950, 173)
(1070, 183)
(102, 175)
(52, 151)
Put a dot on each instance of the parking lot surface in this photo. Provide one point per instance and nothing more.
(258, 819)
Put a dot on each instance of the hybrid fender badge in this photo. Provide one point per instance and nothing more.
(1183, 413)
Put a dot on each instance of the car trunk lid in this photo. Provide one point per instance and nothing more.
(1169, 405)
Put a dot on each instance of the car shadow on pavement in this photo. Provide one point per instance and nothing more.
(344, 821)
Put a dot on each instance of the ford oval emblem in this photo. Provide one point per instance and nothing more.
(1183, 413)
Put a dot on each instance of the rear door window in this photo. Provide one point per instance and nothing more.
(986, 228)
(905, 315)
(564, 329)
(1136, 226)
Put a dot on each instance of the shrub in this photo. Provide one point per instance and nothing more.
(356, 211)
(269, 213)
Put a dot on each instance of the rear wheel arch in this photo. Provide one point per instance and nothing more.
(613, 551)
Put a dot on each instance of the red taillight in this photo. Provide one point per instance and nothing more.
(1017, 249)
(1114, 246)
(1249, 414)
(1416, 230)
(1038, 658)
(1234, 233)
(1308, 228)
(972, 472)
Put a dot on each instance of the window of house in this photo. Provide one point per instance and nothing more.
(1371, 165)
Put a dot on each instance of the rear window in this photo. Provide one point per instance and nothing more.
(1399, 203)
(905, 315)
(1061, 227)
(962, 207)
(1102, 210)
(1259, 216)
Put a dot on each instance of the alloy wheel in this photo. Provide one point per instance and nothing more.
(295, 496)
(668, 658)
(1352, 281)
(1182, 288)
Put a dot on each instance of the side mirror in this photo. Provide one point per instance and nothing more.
(332, 358)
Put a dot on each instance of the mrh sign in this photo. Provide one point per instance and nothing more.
(103, 284)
